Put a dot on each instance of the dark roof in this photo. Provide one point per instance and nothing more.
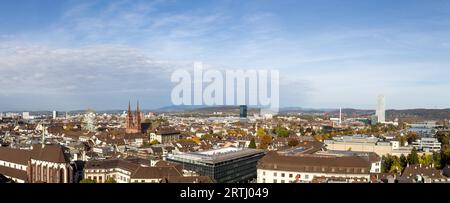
(163, 163)
(188, 179)
(15, 173)
(165, 131)
(111, 163)
(155, 172)
(412, 171)
(315, 163)
(17, 156)
(50, 153)
(137, 171)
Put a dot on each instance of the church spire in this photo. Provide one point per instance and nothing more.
(137, 109)
(129, 106)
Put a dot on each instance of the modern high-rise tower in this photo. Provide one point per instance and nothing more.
(381, 109)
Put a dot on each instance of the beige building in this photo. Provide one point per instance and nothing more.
(164, 136)
(308, 168)
(125, 171)
(360, 143)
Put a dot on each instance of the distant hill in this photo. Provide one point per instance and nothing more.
(419, 114)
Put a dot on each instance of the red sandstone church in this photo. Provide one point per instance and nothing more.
(133, 120)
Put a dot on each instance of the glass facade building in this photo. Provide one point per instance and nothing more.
(226, 165)
(243, 111)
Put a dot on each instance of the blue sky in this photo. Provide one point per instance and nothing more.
(77, 54)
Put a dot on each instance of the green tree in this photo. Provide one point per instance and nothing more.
(386, 163)
(403, 161)
(396, 165)
(281, 132)
(88, 181)
(110, 180)
(437, 160)
(401, 139)
(252, 144)
(413, 157)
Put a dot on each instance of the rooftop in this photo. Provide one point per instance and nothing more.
(216, 155)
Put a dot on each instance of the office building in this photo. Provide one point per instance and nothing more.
(364, 143)
(427, 144)
(381, 109)
(243, 111)
(224, 165)
(26, 115)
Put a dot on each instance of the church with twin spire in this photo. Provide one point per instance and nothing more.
(133, 120)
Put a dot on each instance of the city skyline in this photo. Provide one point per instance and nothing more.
(70, 55)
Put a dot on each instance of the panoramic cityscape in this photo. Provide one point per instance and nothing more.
(224, 92)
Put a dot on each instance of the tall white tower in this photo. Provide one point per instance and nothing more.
(340, 116)
(381, 109)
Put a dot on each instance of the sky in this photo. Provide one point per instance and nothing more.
(79, 54)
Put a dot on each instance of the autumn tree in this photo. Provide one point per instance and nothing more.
(261, 132)
(265, 141)
(426, 160)
(411, 137)
(293, 142)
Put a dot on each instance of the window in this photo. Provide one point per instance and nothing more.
(142, 181)
(306, 176)
(264, 173)
(274, 180)
(135, 181)
(282, 181)
(264, 180)
(290, 175)
(282, 175)
(275, 174)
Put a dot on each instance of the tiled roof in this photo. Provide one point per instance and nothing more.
(17, 156)
(15, 173)
(314, 163)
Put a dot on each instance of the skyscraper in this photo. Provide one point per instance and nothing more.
(243, 111)
(381, 111)
(54, 115)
